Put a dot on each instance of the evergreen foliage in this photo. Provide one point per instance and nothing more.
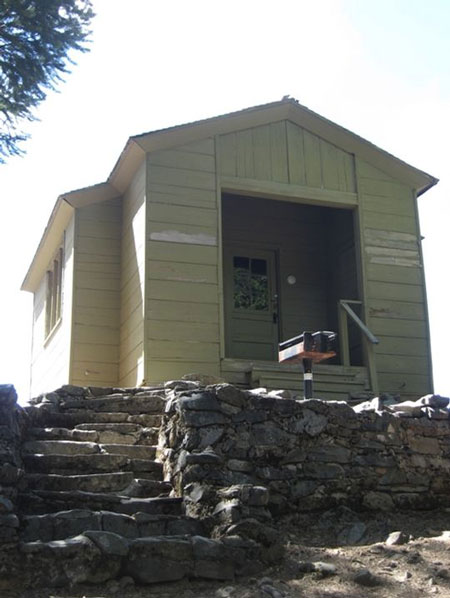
(36, 38)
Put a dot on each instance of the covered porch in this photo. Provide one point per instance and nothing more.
(287, 266)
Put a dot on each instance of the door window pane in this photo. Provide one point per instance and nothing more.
(241, 282)
(250, 283)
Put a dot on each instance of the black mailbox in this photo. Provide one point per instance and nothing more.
(309, 348)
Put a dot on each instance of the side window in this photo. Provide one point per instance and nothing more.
(53, 301)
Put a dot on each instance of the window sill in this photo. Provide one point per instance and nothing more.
(52, 332)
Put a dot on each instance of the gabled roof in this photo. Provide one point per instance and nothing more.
(138, 145)
(286, 109)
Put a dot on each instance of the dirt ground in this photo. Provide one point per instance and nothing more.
(338, 554)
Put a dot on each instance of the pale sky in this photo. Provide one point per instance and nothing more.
(379, 68)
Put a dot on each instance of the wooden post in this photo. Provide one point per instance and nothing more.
(343, 336)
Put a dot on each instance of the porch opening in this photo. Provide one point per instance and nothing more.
(286, 266)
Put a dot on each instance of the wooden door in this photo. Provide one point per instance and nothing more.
(251, 303)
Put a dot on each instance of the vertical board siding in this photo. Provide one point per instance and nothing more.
(395, 292)
(284, 152)
(50, 359)
(182, 311)
(132, 287)
(95, 357)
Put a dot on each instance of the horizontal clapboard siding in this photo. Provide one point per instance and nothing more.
(394, 282)
(182, 294)
(132, 282)
(95, 355)
(284, 152)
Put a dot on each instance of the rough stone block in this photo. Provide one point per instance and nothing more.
(160, 559)
(199, 401)
(117, 523)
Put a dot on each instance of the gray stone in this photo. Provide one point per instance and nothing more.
(352, 534)
(275, 473)
(304, 488)
(250, 417)
(296, 455)
(396, 538)
(325, 569)
(203, 379)
(186, 526)
(10, 474)
(108, 542)
(330, 453)
(435, 401)
(230, 394)
(433, 413)
(205, 457)
(239, 465)
(181, 385)
(324, 471)
(365, 578)
(312, 423)
(198, 419)
(200, 401)
(98, 482)
(268, 435)
(9, 520)
(60, 447)
(378, 501)
(155, 560)
(120, 524)
(71, 523)
(209, 436)
(407, 407)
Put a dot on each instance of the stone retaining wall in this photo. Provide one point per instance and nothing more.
(308, 454)
(11, 419)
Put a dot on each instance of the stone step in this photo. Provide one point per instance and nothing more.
(63, 434)
(96, 557)
(71, 418)
(119, 428)
(97, 482)
(128, 404)
(59, 447)
(145, 488)
(109, 432)
(65, 524)
(40, 502)
(136, 451)
(95, 463)
(66, 464)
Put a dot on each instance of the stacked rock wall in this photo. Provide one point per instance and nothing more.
(11, 424)
(11, 420)
(308, 454)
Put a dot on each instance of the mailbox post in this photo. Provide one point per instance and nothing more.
(308, 348)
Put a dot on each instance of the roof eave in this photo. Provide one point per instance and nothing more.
(59, 218)
(58, 221)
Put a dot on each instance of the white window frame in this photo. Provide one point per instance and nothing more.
(54, 292)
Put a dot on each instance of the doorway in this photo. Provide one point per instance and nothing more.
(285, 267)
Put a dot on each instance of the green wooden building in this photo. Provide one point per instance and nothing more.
(211, 242)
